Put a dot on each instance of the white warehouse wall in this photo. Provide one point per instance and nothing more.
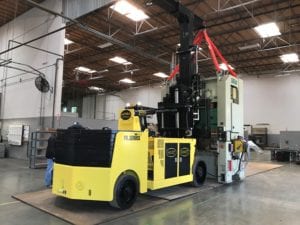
(108, 106)
(20, 98)
(21, 102)
(273, 100)
(147, 95)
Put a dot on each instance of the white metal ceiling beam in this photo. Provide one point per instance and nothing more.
(101, 35)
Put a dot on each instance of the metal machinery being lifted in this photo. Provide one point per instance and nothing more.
(211, 111)
(115, 166)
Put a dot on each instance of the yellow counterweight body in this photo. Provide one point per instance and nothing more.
(130, 155)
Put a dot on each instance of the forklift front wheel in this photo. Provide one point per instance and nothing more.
(199, 173)
(125, 192)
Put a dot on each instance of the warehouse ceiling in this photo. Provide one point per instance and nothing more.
(229, 23)
(9, 9)
(148, 46)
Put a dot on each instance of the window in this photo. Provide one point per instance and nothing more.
(235, 94)
(74, 109)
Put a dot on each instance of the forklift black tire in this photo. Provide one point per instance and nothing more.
(125, 192)
(199, 173)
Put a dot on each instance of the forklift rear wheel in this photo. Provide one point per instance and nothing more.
(125, 193)
(199, 173)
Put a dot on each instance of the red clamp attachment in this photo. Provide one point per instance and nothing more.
(213, 50)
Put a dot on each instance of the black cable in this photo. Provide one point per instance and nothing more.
(240, 163)
(212, 175)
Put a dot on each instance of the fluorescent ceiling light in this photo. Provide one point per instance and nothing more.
(283, 75)
(246, 47)
(224, 67)
(137, 15)
(85, 69)
(67, 41)
(94, 88)
(82, 69)
(95, 78)
(125, 8)
(161, 74)
(127, 80)
(290, 58)
(267, 30)
(120, 60)
(103, 71)
(105, 45)
(99, 72)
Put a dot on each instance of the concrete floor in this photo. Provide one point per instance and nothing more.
(268, 198)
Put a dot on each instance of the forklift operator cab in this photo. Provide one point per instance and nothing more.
(115, 166)
(133, 120)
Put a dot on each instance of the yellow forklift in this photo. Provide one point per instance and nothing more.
(115, 166)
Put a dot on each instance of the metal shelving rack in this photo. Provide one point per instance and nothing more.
(37, 149)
